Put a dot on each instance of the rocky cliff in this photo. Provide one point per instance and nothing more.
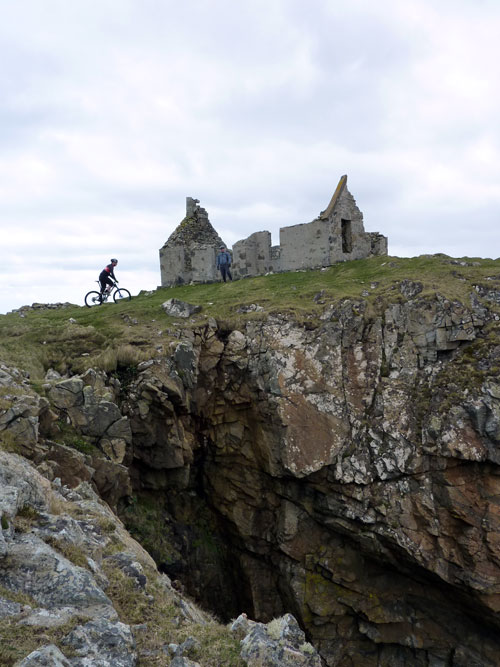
(341, 467)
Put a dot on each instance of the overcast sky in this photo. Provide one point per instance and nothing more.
(113, 111)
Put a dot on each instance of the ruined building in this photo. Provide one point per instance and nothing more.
(336, 235)
(189, 254)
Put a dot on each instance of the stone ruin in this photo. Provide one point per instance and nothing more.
(189, 254)
(336, 235)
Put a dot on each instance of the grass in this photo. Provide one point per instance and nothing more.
(107, 336)
(17, 641)
(25, 518)
(71, 552)
(159, 611)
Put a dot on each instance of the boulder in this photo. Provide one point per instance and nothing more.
(178, 308)
(47, 656)
(53, 581)
(103, 643)
(280, 643)
(67, 393)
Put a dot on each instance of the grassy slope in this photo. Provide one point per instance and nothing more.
(126, 333)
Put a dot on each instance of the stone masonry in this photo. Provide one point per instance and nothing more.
(336, 235)
(189, 255)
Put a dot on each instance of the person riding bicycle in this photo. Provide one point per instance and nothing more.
(105, 276)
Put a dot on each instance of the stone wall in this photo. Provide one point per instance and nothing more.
(189, 255)
(336, 235)
(253, 256)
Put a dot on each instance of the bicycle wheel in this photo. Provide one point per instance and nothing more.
(93, 299)
(121, 295)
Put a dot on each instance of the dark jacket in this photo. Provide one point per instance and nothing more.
(107, 272)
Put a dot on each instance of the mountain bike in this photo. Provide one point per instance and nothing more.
(95, 298)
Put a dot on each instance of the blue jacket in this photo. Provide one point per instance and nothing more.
(223, 259)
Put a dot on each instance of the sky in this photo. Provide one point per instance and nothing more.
(112, 112)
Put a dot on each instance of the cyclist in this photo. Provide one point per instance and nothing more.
(105, 276)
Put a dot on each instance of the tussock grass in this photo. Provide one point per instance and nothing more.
(122, 356)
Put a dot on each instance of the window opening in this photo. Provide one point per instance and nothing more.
(346, 236)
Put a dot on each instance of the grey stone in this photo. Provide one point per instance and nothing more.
(20, 484)
(47, 656)
(44, 618)
(336, 235)
(52, 580)
(9, 608)
(51, 374)
(130, 566)
(280, 643)
(178, 308)
(3, 546)
(410, 289)
(102, 643)
(67, 393)
(182, 661)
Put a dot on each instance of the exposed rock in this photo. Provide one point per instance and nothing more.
(47, 656)
(129, 564)
(410, 288)
(67, 393)
(181, 661)
(280, 643)
(344, 470)
(178, 308)
(350, 468)
(34, 567)
(251, 308)
(9, 608)
(102, 643)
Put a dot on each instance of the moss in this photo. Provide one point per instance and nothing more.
(144, 518)
(70, 438)
(4, 522)
(8, 443)
(28, 512)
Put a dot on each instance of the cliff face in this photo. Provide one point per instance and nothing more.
(350, 470)
(342, 468)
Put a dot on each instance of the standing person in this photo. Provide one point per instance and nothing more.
(105, 276)
(223, 263)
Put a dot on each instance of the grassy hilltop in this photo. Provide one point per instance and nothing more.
(76, 338)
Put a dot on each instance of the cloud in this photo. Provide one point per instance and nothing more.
(114, 111)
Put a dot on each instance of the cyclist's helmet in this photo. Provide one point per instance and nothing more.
(114, 261)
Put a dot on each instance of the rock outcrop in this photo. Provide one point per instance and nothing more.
(349, 469)
(344, 470)
(75, 588)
